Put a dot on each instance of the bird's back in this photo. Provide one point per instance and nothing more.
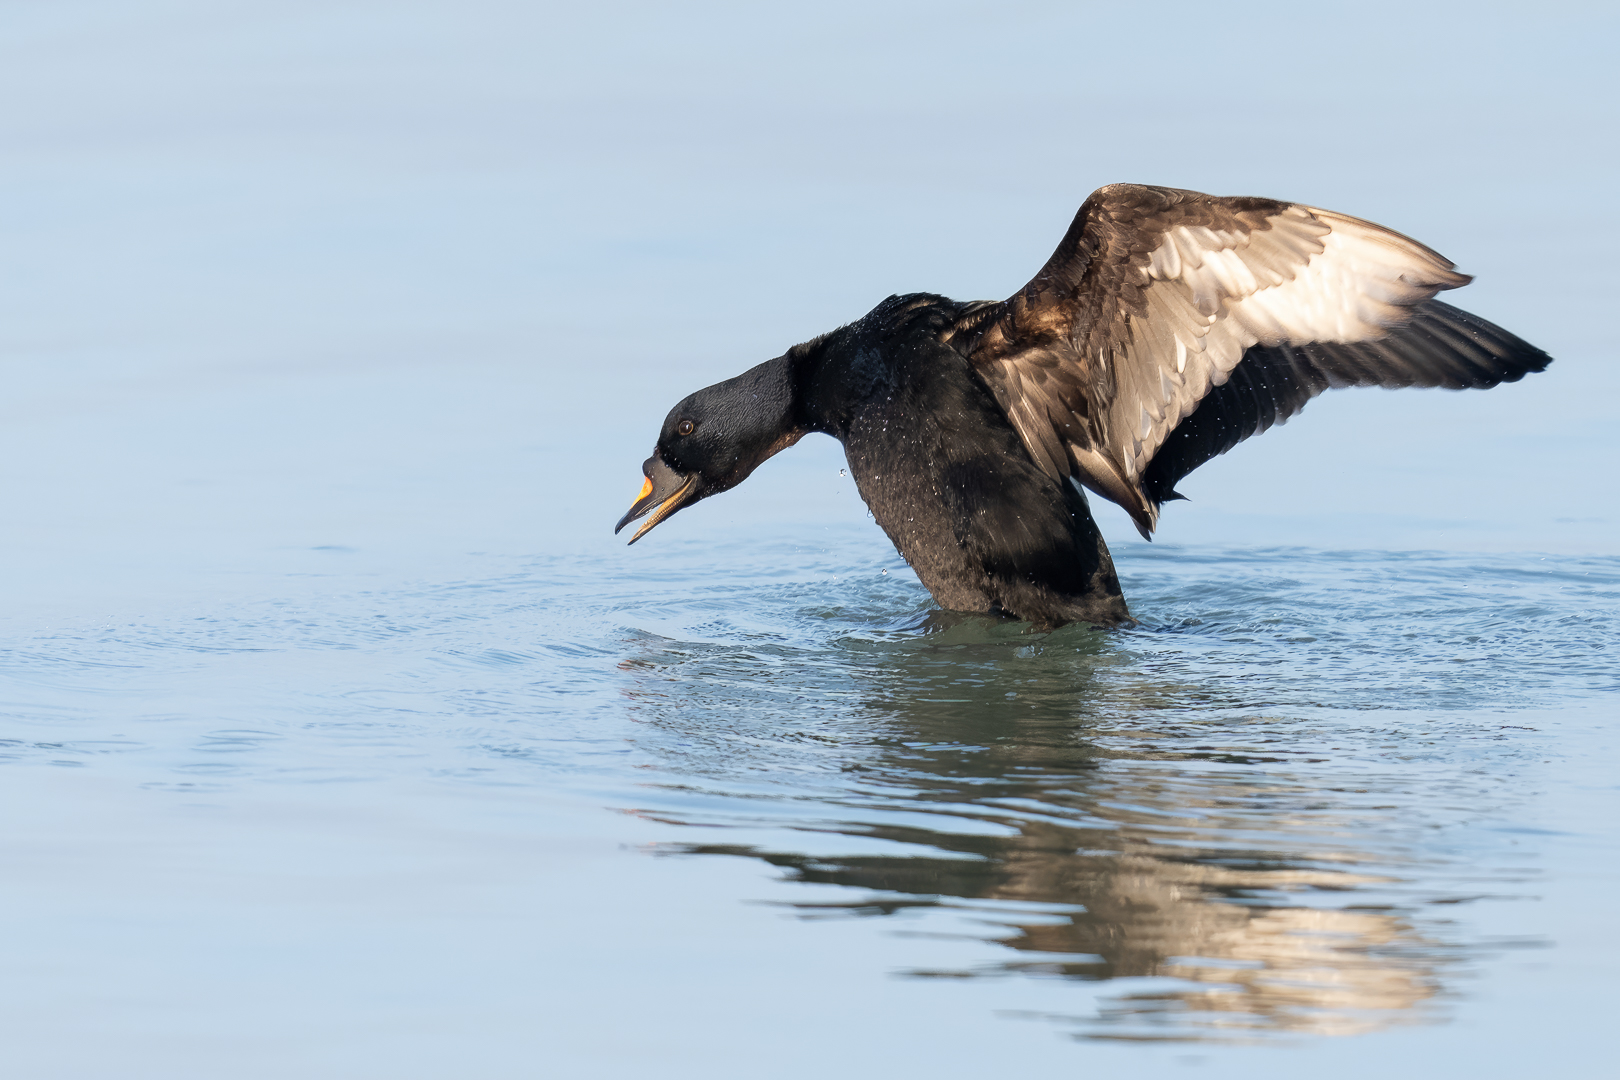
(948, 478)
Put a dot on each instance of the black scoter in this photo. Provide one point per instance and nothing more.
(1167, 327)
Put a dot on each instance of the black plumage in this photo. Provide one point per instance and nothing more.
(1167, 327)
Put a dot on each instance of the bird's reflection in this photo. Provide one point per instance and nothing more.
(985, 785)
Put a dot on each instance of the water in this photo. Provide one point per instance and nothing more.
(338, 737)
(1316, 794)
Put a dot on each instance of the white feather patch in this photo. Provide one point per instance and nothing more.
(1312, 276)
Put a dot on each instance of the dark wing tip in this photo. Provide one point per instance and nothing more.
(1485, 353)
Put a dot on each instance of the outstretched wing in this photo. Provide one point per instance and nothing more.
(1158, 299)
(1439, 346)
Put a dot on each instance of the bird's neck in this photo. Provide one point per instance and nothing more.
(835, 376)
(832, 377)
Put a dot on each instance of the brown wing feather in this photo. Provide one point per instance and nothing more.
(1152, 299)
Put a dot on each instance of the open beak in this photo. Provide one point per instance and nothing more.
(664, 492)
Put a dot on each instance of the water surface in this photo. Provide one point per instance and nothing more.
(1307, 798)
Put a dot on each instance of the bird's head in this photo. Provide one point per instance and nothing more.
(713, 439)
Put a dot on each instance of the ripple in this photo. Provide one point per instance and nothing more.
(1265, 813)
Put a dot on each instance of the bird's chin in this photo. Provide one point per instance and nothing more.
(664, 492)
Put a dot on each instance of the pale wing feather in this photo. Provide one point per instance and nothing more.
(1210, 294)
(1153, 299)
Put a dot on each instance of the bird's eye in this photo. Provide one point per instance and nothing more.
(685, 427)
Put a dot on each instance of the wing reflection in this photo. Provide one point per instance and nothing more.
(980, 787)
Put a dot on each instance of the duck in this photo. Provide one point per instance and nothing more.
(1167, 327)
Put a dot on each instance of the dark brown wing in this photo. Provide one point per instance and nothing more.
(1440, 346)
(1154, 298)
